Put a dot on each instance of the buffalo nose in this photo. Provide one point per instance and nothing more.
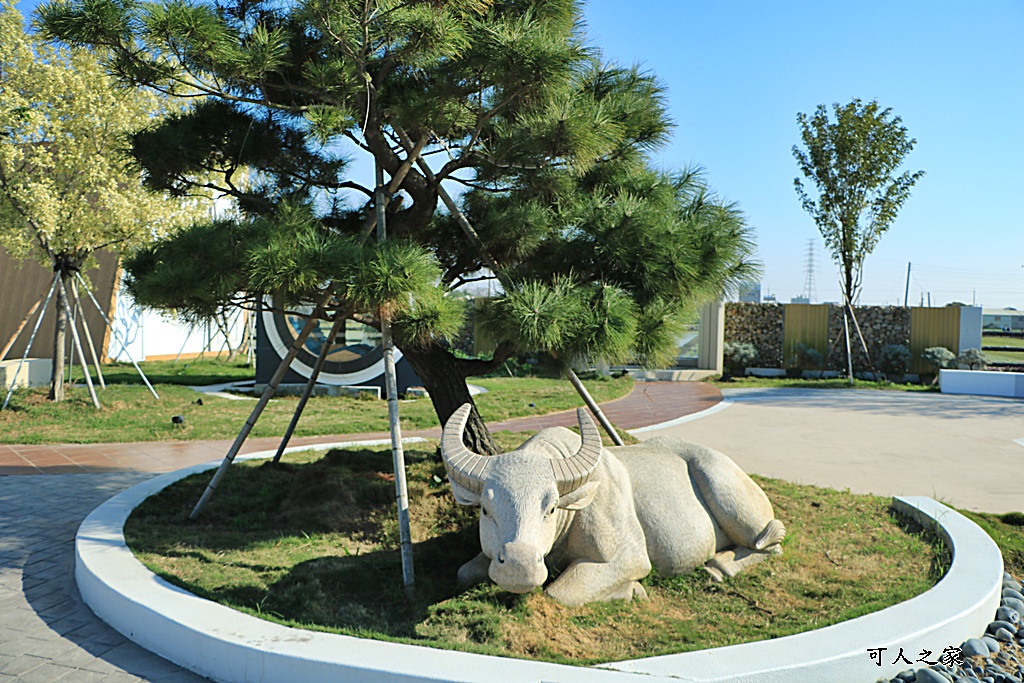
(519, 553)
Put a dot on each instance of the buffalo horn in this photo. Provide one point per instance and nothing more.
(465, 468)
(572, 472)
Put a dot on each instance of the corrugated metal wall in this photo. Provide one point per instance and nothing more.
(23, 284)
(805, 324)
(932, 327)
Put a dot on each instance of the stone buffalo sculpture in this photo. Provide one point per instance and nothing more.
(601, 517)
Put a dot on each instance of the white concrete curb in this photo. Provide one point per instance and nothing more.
(226, 645)
(650, 429)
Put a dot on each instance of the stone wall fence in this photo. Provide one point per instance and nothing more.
(757, 324)
(764, 326)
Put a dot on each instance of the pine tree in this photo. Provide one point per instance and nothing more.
(500, 102)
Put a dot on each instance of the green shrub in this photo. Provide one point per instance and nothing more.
(974, 359)
(806, 357)
(939, 357)
(894, 359)
(738, 355)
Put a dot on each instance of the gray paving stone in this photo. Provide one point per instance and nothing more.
(75, 658)
(14, 644)
(46, 632)
(46, 673)
(121, 678)
(51, 648)
(134, 659)
(83, 676)
(22, 664)
(176, 677)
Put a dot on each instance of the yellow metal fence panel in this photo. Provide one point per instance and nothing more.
(932, 327)
(805, 324)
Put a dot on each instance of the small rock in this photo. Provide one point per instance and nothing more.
(974, 647)
(909, 676)
(1003, 635)
(993, 645)
(1011, 583)
(1014, 604)
(1008, 614)
(931, 676)
(1011, 593)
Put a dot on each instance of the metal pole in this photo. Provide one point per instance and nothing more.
(124, 343)
(308, 390)
(78, 346)
(906, 291)
(279, 374)
(849, 356)
(592, 404)
(391, 385)
(88, 334)
(31, 340)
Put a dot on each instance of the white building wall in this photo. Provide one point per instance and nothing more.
(142, 333)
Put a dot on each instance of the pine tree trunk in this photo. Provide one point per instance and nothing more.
(446, 384)
(59, 341)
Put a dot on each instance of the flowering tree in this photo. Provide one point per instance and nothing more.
(66, 187)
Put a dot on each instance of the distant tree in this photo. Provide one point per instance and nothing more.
(600, 253)
(851, 162)
(956, 304)
(66, 188)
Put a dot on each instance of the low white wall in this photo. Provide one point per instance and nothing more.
(982, 383)
(225, 645)
(35, 372)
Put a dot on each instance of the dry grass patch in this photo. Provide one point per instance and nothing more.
(314, 543)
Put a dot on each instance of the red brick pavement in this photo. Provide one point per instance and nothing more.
(649, 403)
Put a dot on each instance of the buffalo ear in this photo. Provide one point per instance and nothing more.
(580, 498)
(463, 496)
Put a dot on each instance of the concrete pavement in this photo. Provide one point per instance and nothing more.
(966, 451)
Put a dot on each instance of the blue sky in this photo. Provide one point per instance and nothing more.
(737, 73)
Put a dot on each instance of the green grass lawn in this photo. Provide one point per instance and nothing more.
(314, 544)
(1003, 356)
(130, 413)
(998, 340)
(194, 371)
(839, 383)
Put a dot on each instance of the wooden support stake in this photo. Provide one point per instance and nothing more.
(308, 390)
(88, 335)
(31, 340)
(17, 332)
(78, 345)
(275, 380)
(391, 386)
(117, 336)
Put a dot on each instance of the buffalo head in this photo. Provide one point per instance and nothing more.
(525, 497)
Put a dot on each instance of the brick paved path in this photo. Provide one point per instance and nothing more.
(46, 632)
(649, 403)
